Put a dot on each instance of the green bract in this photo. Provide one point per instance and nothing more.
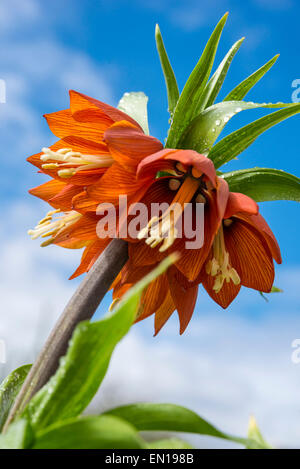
(197, 120)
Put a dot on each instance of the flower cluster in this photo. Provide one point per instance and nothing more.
(102, 154)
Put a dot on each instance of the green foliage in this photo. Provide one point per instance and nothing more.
(18, 436)
(190, 100)
(240, 91)
(9, 390)
(170, 79)
(169, 443)
(235, 143)
(168, 417)
(52, 418)
(83, 368)
(264, 184)
(215, 83)
(204, 130)
(90, 433)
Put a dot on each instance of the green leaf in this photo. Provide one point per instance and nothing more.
(169, 443)
(215, 83)
(90, 433)
(204, 130)
(234, 144)
(170, 79)
(83, 368)
(19, 435)
(134, 104)
(264, 184)
(169, 417)
(256, 439)
(9, 390)
(240, 91)
(190, 101)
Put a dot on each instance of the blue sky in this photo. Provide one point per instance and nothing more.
(104, 49)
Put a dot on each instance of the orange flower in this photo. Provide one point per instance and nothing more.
(79, 160)
(238, 249)
(189, 178)
(242, 253)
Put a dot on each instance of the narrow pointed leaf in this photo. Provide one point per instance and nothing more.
(170, 418)
(264, 184)
(90, 433)
(240, 91)
(83, 368)
(9, 390)
(135, 105)
(215, 83)
(204, 130)
(234, 144)
(190, 99)
(170, 79)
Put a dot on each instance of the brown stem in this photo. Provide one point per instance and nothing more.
(81, 306)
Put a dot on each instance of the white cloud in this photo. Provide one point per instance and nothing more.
(14, 12)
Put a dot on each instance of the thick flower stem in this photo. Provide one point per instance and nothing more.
(81, 306)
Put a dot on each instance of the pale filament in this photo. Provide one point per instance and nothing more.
(51, 225)
(72, 161)
(219, 266)
(162, 230)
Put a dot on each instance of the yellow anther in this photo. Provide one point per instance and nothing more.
(228, 222)
(66, 173)
(196, 173)
(49, 227)
(174, 184)
(180, 168)
(219, 266)
(200, 199)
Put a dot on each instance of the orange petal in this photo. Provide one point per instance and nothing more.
(191, 261)
(128, 145)
(64, 198)
(164, 313)
(250, 256)
(115, 182)
(48, 190)
(183, 297)
(84, 230)
(133, 274)
(153, 298)
(79, 102)
(240, 203)
(120, 290)
(90, 255)
(62, 124)
(164, 160)
(260, 224)
(225, 296)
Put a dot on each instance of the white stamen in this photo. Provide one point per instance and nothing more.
(49, 227)
(73, 161)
